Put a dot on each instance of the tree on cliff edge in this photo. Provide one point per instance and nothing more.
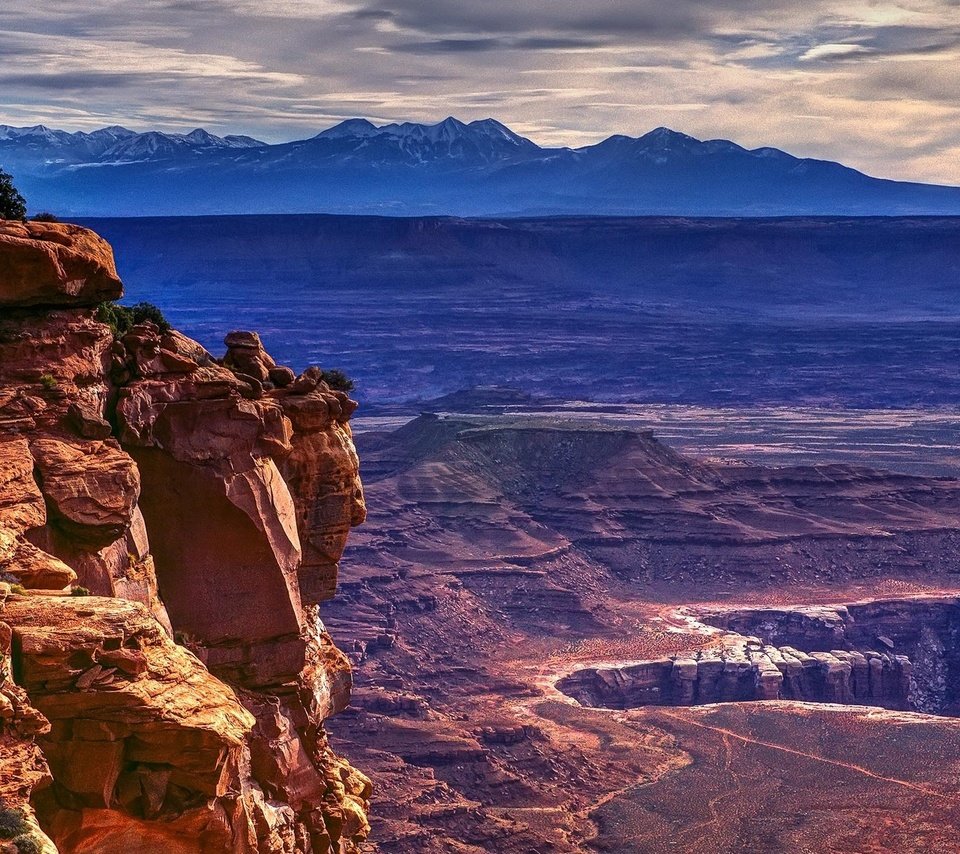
(12, 204)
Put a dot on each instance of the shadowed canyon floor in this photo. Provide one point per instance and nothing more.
(513, 561)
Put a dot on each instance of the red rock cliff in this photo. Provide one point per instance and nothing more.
(204, 504)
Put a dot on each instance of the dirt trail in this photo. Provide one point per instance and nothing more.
(849, 766)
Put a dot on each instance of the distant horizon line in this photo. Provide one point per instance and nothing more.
(784, 218)
(380, 124)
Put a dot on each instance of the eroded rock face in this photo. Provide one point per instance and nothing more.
(754, 672)
(55, 399)
(137, 725)
(22, 508)
(203, 501)
(322, 470)
(23, 767)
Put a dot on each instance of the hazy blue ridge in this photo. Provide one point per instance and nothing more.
(451, 168)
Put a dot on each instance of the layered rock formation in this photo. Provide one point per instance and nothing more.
(198, 503)
(749, 672)
(901, 654)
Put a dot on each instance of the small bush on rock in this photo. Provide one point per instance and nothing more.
(337, 380)
(80, 590)
(12, 823)
(45, 216)
(48, 381)
(120, 318)
(27, 845)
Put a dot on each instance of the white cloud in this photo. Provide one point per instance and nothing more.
(833, 51)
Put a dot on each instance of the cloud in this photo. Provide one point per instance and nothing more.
(833, 51)
(539, 43)
(869, 82)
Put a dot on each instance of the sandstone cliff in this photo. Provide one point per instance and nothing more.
(203, 506)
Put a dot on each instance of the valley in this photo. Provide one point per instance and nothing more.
(604, 460)
(540, 605)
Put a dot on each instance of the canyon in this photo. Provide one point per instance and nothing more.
(537, 625)
(567, 637)
(170, 524)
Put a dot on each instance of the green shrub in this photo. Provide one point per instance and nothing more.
(337, 380)
(121, 318)
(12, 823)
(12, 204)
(80, 590)
(45, 216)
(18, 588)
(27, 845)
(185, 639)
(48, 381)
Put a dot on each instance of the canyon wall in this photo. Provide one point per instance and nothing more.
(753, 672)
(169, 525)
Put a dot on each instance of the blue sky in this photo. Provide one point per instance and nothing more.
(873, 84)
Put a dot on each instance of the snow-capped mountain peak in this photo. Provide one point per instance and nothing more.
(667, 136)
(350, 128)
(202, 137)
(479, 143)
(448, 130)
(112, 132)
(36, 134)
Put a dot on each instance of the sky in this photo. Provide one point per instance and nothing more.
(875, 85)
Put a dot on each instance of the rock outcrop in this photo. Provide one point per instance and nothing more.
(198, 501)
(140, 732)
(899, 654)
(48, 264)
(753, 672)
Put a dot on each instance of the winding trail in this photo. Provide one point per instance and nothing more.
(848, 766)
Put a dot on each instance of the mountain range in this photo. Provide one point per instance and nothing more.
(451, 168)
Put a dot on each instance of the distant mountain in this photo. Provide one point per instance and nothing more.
(480, 142)
(41, 150)
(451, 168)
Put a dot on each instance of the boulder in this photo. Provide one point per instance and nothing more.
(55, 264)
(245, 355)
(88, 424)
(282, 376)
(91, 487)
